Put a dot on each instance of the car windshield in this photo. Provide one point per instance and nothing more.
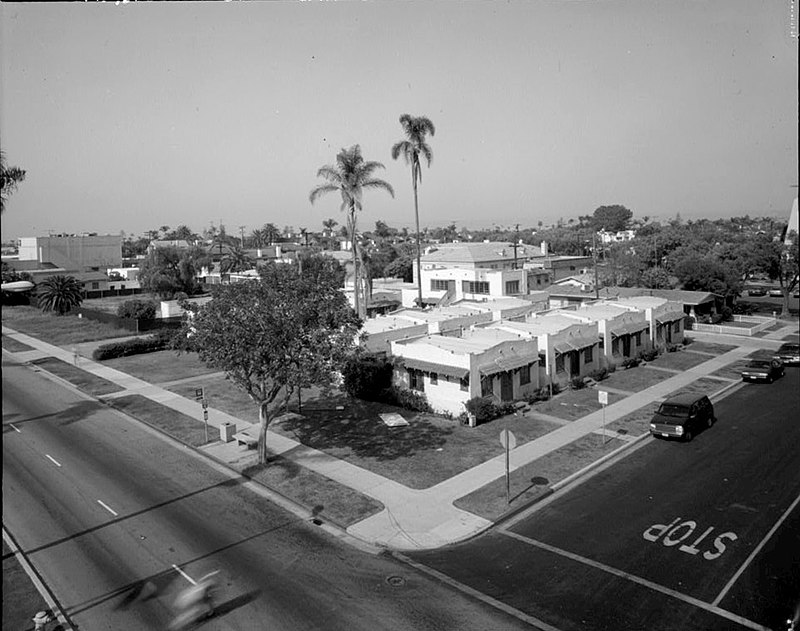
(790, 347)
(668, 409)
(759, 364)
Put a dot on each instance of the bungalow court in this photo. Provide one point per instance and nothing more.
(481, 362)
(624, 331)
(666, 318)
(568, 349)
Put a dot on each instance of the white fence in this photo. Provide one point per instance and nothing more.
(758, 323)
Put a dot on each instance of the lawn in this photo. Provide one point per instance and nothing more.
(161, 367)
(636, 423)
(86, 381)
(58, 330)
(533, 480)
(710, 347)
(21, 599)
(574, 404)
(704, 385)
(632, 379)
(13, 346)
(178, 425)
(679, 360)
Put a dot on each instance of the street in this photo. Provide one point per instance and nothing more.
(704, 535)
(107, 510)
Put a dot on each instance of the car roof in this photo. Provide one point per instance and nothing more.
(789, 345)
(686, 398)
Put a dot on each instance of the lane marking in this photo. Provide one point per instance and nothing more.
(15, 428)
(755, 552)
(53, 460)
(107, 507)
(640, 581)
(184, 574)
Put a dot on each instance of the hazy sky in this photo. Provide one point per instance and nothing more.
(133, 116)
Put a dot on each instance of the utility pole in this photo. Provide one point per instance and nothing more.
(515, 245)
(594, 258)
(241, 231)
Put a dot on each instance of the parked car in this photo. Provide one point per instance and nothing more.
(776, 293)
(682, 416)
(763, 370)
(757, 291)
(789, 353)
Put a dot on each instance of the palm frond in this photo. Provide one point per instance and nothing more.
(320, 190)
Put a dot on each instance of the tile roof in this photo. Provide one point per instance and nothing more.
(479, 252)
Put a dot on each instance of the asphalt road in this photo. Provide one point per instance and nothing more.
(102, 506)
(704, 535)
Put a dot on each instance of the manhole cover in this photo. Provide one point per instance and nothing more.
(396, 581)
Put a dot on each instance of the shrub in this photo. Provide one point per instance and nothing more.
(137, 309)
(482, 409)
(542, 394)
(671, 348)
(577, 383)
(158, 342)
(599, 374)
(556, 388)
(727, 314)
(648, 355)
(404, 398)
(367, 377)
(631, 362)
(687, 340)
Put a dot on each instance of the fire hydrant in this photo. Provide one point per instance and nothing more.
(40, 621)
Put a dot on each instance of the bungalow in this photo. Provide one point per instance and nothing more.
(666, 318)
(480, 363)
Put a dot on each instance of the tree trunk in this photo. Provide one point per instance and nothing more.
(265, 417)
(356, 279)
(419, 254)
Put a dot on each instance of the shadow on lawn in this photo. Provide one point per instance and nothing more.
(359, 428)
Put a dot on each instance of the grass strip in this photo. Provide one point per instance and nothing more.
(15, 346)
(535, 479)
(86, 381)
(58, 330)
(180, 426)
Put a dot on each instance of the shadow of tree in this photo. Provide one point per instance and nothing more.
(358, 429)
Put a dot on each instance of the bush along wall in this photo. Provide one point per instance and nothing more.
(150, 344)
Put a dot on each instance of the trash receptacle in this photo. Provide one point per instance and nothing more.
(226, 432)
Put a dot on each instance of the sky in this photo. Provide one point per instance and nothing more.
(132, 116)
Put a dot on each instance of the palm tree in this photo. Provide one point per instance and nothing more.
(9, 178)
(329, 225)
(271, 232)
(415, 129)
(235, 260)
(350, 177)
(60, 294)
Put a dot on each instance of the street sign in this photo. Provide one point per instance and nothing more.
(507, 439)
(198, 394)
(205, 404)
(205, 415)
(602, 397)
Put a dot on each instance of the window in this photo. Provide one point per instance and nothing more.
(637, 337)
(434, 379)
(615, 346)
(415, 380)
(475, 287)
(559, 363)
(438, 284)
(486, 386)
(525, 375)
(587, 355)
(571, 268)
(464, 383)
(512, 287)
(95, 285)
(676, 326)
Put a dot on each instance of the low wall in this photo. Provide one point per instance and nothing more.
(757, 324)
(129, 324)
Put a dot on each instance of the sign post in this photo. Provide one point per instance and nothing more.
(509, 441)
(200, 397)
(602, 397)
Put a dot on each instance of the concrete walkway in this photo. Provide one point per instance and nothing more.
(412, 519)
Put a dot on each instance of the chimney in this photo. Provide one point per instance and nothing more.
(544, 248)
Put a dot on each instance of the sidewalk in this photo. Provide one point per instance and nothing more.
(412, 519)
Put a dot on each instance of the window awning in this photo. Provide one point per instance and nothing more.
(672, 316)
(506, 364)
(628, 328)
(441, 369)
(574, 344)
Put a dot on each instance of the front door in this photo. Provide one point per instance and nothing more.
(574, 364)
(506, 387)
(626, 345)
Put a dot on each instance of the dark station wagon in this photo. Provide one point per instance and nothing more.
(682, 416)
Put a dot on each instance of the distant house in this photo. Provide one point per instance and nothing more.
(178, 244)
(73, 252)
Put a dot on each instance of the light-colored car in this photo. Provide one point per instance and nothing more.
(776, 293)
(789, 353)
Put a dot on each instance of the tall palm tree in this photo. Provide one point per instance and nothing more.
(350, 177)
(235, 260)
(59, 293)
(9, 178)
(329, 225)
(415, 129)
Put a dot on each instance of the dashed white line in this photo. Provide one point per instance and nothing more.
(53, 460)
(107, 507)
(15, 428)
(184, 574)
(755, 552)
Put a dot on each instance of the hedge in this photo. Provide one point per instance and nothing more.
(158, 342)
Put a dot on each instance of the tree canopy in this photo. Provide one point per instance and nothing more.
(169, 271)
(286, 330)
(10, 177)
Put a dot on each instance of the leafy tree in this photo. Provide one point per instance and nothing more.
(781, 261)
(698, 273)
(415, 129)
(271, 336)
(169, 271)
(655, 278)
(59, 293)
(271, 233)
(350, 177)
(10, 177)
(401, 267)
(182, 233)
(611, 218)
(137, 309)
(382, 230)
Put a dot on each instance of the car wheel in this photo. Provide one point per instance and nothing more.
(687, 437)
(710, 421)
(769, 379)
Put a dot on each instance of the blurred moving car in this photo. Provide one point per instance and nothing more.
(757, 291)
(776, 293)
(789, 353)
(763, 370)
(682, 416)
